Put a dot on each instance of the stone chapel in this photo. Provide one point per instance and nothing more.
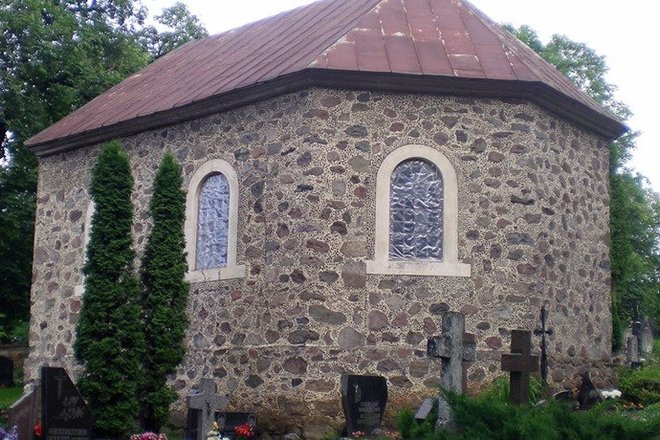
(353, 168)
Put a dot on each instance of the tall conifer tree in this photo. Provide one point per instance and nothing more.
(109, 339)
(165, 293)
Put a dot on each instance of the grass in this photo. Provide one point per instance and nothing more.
(9, 395)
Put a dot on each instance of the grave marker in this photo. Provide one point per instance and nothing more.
(588, 394)
(455, 348)
(363, 399)
(424, 409)
(6, 372)
(632, 352)
(227, 421)
(23, 414)
(64, 413)
(520, 363)
(544, 346)
(201, 409)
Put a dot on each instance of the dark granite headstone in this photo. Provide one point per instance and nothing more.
(23, 414)
(192, 424)
(363, 399)
(64, 413)
(588, 394)
(227, 421)
(6, 372)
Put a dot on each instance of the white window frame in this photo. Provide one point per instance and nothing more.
(449, 265)
(231, 269)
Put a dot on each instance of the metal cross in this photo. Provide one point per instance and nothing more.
(542, 332)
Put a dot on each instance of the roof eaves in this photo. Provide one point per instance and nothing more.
(537, 92)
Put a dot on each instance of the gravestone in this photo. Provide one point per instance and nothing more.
(202, 407)
(646, 337)
(543, 331)
(424, 409)
(520, 363)
(632, 352)
(363, 400)
(454, 348)
(23, 414)
(64, 413)
(6, 372)
(588, 394)
(227, 421)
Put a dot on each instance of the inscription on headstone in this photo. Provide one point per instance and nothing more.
(64, 413)
(363, 399)
(6, 372)
(202, 407)
(519, 364)
(23, 414)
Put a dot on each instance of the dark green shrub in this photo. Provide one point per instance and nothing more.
(109, 341)
(490, 416)
(164, 293)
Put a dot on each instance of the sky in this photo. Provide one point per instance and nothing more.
(621, 31)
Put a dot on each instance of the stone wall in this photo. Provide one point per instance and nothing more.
(533, 223)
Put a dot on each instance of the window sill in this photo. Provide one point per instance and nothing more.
(219, 273)
(421, 268)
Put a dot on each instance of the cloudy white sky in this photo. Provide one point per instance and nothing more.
(622, 31)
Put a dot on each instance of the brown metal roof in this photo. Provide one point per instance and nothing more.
(441, 46)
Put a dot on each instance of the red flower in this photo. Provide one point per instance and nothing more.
(244, 431)
(38, 431)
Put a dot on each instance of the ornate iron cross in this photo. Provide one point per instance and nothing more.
(542, 332)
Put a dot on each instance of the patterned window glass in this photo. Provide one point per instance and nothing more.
(213, 223)
(416, 206)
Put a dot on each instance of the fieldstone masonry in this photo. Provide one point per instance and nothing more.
(532, 223)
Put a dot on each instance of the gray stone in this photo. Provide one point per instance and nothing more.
(354, 274)
(349, 337)
(323, 314)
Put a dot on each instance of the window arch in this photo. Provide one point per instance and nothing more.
(416, 225)
(211, 223)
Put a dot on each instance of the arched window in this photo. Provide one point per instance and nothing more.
(416, 205)
(211, 223)
(416, 215)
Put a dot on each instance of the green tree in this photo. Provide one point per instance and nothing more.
(183, 28)
(56, 55)
(634, 210)
(109, 340)
(164, 294)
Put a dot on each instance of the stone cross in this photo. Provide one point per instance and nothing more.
(544, 346)
(519, 364)
(453, 347)
(207, 401)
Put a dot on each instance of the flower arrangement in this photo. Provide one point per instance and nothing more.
(244, 432)
(148, 436)
(38, 431)
(12, 434)
(358, 434)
